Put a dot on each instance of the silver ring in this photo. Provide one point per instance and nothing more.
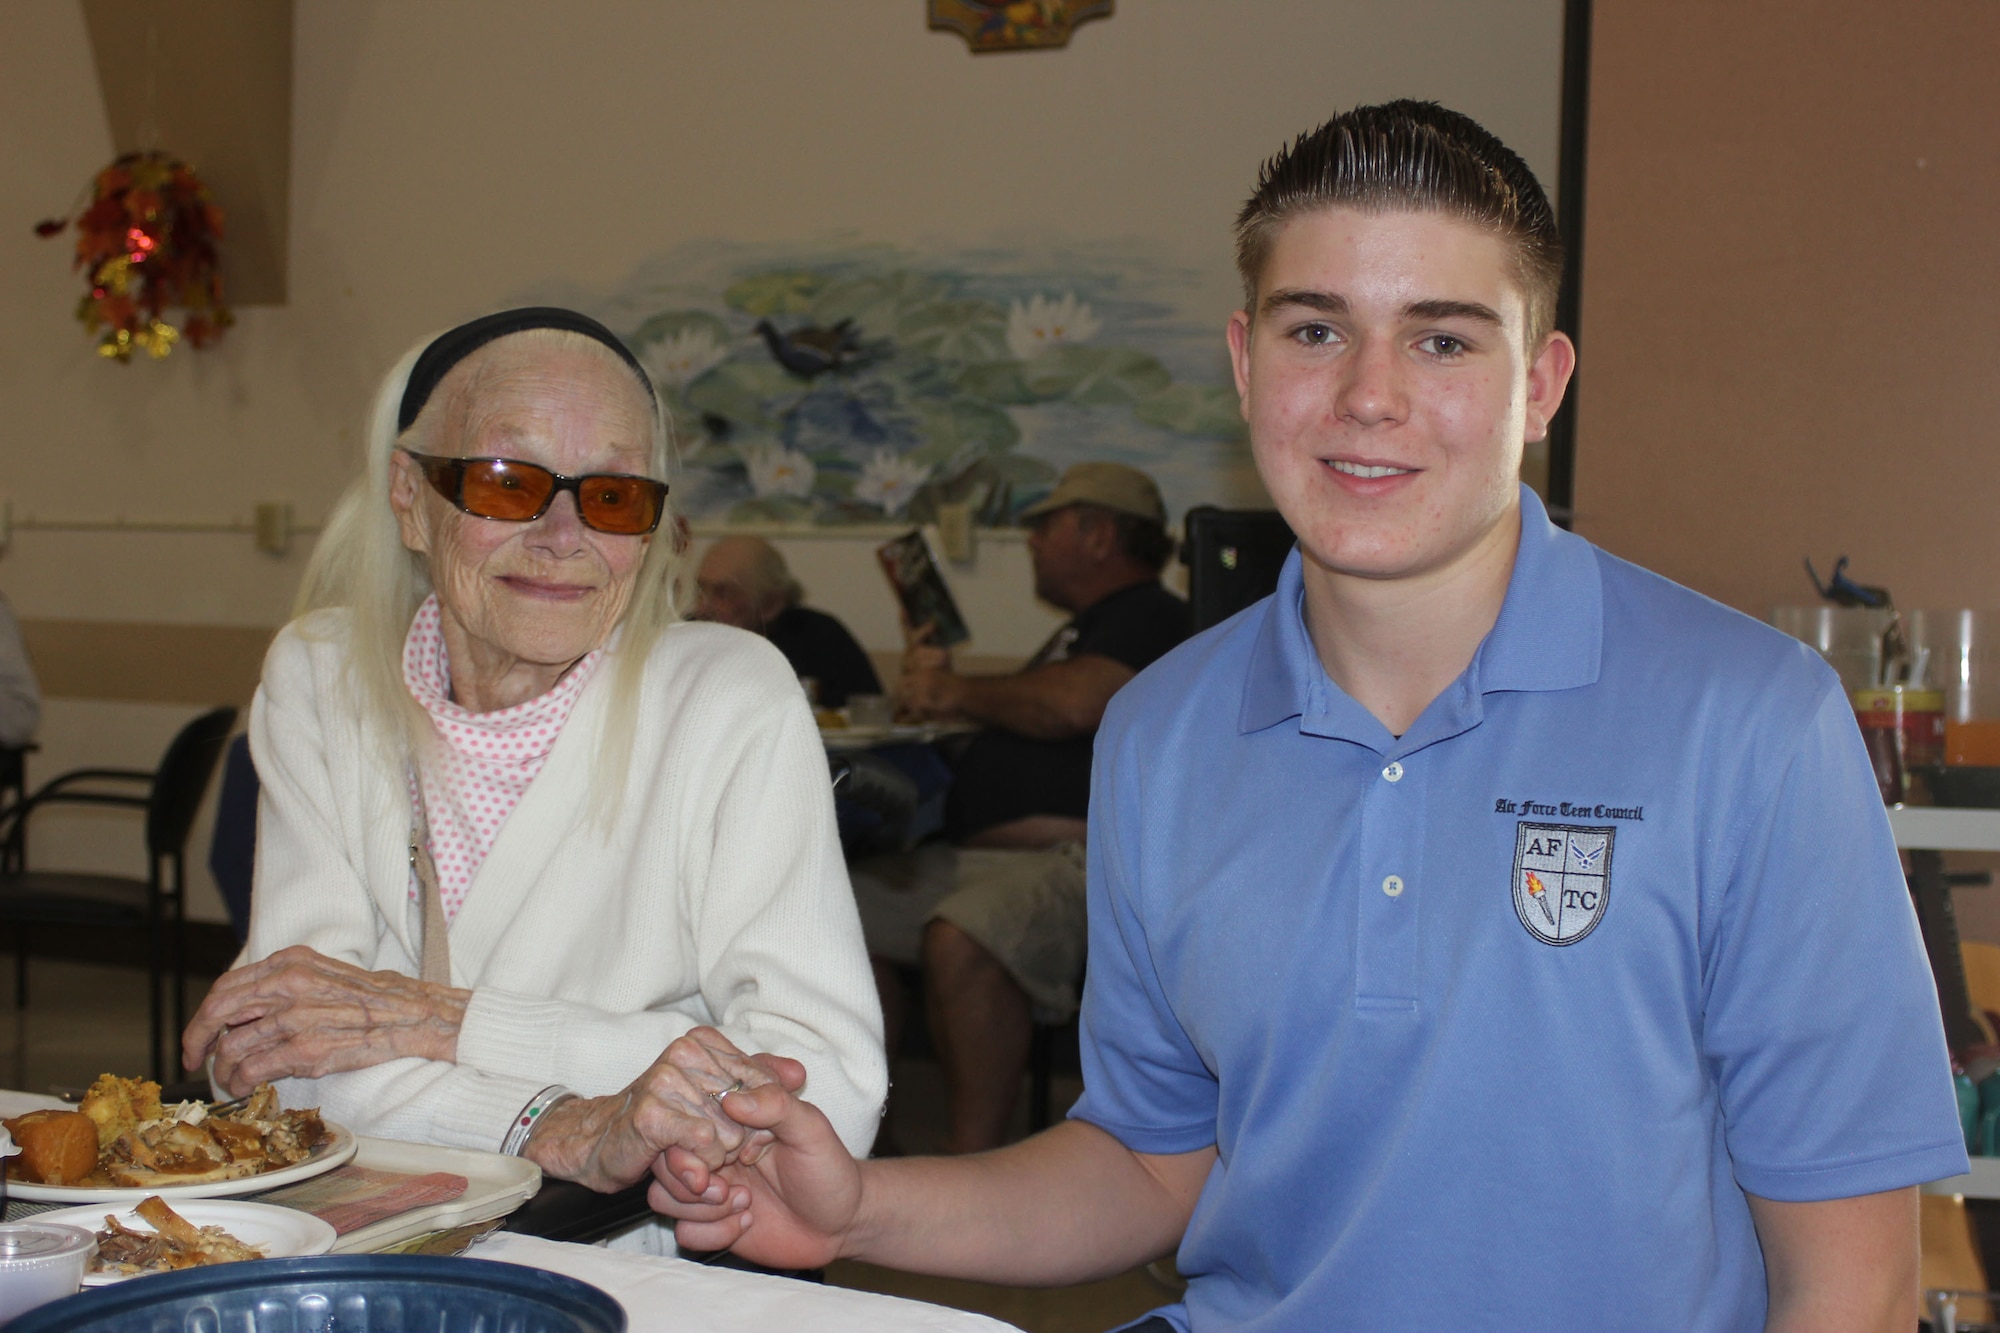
(737, 1086)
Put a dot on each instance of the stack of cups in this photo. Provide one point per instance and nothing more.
(1966, 648)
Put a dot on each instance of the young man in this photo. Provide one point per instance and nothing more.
(1483, 930)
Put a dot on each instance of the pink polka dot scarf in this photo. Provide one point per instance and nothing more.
(473, 781)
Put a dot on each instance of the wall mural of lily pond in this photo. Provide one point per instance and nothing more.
(869, 385)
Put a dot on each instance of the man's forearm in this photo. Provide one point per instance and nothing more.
(1019, 704)
(1070, 1205)
(1840, 1265)
(1051, 702)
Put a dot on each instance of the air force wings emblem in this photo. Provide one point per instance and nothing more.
(1562, 879)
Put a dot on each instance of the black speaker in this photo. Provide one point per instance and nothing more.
(1233, 558)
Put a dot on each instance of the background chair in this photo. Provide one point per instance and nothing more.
(232, 849)
(13, 788)
(172, 794)
(1233, 558)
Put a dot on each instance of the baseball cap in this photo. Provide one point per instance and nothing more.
(1113, 486)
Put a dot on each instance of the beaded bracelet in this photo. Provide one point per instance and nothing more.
(524, 1123)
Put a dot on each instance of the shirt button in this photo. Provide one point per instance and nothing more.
(1393, 886)
(1394, 772)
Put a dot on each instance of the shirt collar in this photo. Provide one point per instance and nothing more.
(1549, 636)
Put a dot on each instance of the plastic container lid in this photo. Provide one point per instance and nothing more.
(338, 1293)
(25, 1246)
(40, 1262)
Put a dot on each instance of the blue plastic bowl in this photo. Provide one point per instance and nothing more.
(337, 1293)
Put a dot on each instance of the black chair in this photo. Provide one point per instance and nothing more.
(1042, 1052)
(173, 794)
(13, 790)
(873, 801)
(1233, 558)
(232, 850)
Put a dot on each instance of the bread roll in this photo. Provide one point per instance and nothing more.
(57, 1147)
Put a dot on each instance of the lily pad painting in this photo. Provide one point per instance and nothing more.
(871, 386)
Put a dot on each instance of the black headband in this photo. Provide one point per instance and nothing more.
(454, 345)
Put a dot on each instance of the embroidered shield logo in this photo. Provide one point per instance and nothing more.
(1562, 878)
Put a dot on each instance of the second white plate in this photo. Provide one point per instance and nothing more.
(281, 1233)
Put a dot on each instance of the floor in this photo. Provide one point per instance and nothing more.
(81, 1021)
(84, 1020)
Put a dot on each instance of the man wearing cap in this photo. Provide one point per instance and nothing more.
(996, 915)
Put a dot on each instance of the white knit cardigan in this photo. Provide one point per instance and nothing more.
(718, 894)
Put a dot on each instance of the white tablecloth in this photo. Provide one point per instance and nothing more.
(675, 1295)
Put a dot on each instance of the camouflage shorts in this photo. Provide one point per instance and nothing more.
(1024, 908)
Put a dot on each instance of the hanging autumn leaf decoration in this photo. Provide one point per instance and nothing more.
(146, 241)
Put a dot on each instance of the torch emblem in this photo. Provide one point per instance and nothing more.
(1562, 878)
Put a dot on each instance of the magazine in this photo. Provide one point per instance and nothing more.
(919, 583)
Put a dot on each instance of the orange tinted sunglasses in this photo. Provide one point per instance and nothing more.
(517, 492)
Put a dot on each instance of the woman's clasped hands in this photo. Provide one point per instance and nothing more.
(793, 1181)
(675, 1106)
(300, 1014)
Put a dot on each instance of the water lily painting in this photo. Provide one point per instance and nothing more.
(858, 385)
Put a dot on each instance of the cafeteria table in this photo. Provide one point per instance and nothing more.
(672, 1295)
(551, 1230)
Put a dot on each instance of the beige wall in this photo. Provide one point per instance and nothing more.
(1788, 306)
(449, 156)
(1786, 348)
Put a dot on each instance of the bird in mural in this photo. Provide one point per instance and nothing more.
(812, 350)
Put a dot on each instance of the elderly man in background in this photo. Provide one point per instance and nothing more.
(744, 582)
(20, 693)
(995, 915)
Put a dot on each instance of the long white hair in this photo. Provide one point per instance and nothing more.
(361, 566)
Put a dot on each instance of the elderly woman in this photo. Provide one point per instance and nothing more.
(521, 832)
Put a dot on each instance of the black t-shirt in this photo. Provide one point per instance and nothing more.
(1003, 776)
(819, 646)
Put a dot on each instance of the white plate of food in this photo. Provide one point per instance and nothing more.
(121, 1146)
(128, 1245)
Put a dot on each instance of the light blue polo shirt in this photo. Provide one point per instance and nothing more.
(1493, 1024)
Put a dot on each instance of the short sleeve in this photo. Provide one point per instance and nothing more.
(845, 667)
(1820, 1018)
(1135, 628)
(1144, 1082)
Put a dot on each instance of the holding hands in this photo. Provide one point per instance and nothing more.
(300, 1014)
(788, 1199)
(610, 1142)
